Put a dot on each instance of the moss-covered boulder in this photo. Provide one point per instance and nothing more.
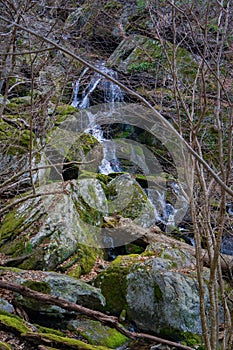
(139, 53)
(54, 231)
(59, 285)
(86, 148)
(157, 289)
(96, 333)
(128, 199)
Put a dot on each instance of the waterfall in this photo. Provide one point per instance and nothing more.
(76, 88)
(164, 212)
(111, 93)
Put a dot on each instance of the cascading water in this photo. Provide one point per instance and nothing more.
(112, 94)
(164, 212)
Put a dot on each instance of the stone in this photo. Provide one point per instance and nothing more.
(130, 201)
(59, 285)
(6, 306)
(158, 289)
(52, 232)
(97, 333)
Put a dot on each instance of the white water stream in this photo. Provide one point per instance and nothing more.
(164, 212)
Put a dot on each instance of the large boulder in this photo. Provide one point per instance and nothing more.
(52, 231)
(129, 200)
(56, 284)
(157, 290)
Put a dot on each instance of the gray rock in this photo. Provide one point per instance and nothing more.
(129, 200)
(158, 289)
(58, 229)
(58, 285)
(6, 306)
(159, 299)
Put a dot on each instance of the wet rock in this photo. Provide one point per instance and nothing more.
(27, 336)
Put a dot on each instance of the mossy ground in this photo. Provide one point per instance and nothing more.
(18, 326)
(5, 346)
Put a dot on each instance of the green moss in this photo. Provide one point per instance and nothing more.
(47, 330)
(65, 110)
(11, 226)
(13, 269)
(113, 283)
(133, 249)
(18, 140)
(141, 67)
(75, 344)
(97, 334)
(40, 286)
(5, 346)
(87, 213)
(133, 202)
(64, 113)
(34, 261)
(185, 338)
(81, 151)
(149, 54)
(13, 322)
(31, 303)
(158, 295)
(83, 261)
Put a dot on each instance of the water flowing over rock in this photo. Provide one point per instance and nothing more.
(111, 92)
(124, 155)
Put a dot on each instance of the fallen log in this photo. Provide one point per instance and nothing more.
(145, 236)
(111, 321)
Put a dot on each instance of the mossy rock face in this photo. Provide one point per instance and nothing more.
(54, 232)
(70, 342)
(14, 323)
(157, 289)
(56, 284)
(86, 148)
(112, 283)
(17, 105)
(16, 140)
(96, 333)
(128, 199)
(64, 114)
(30, 303)
(140, 54)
